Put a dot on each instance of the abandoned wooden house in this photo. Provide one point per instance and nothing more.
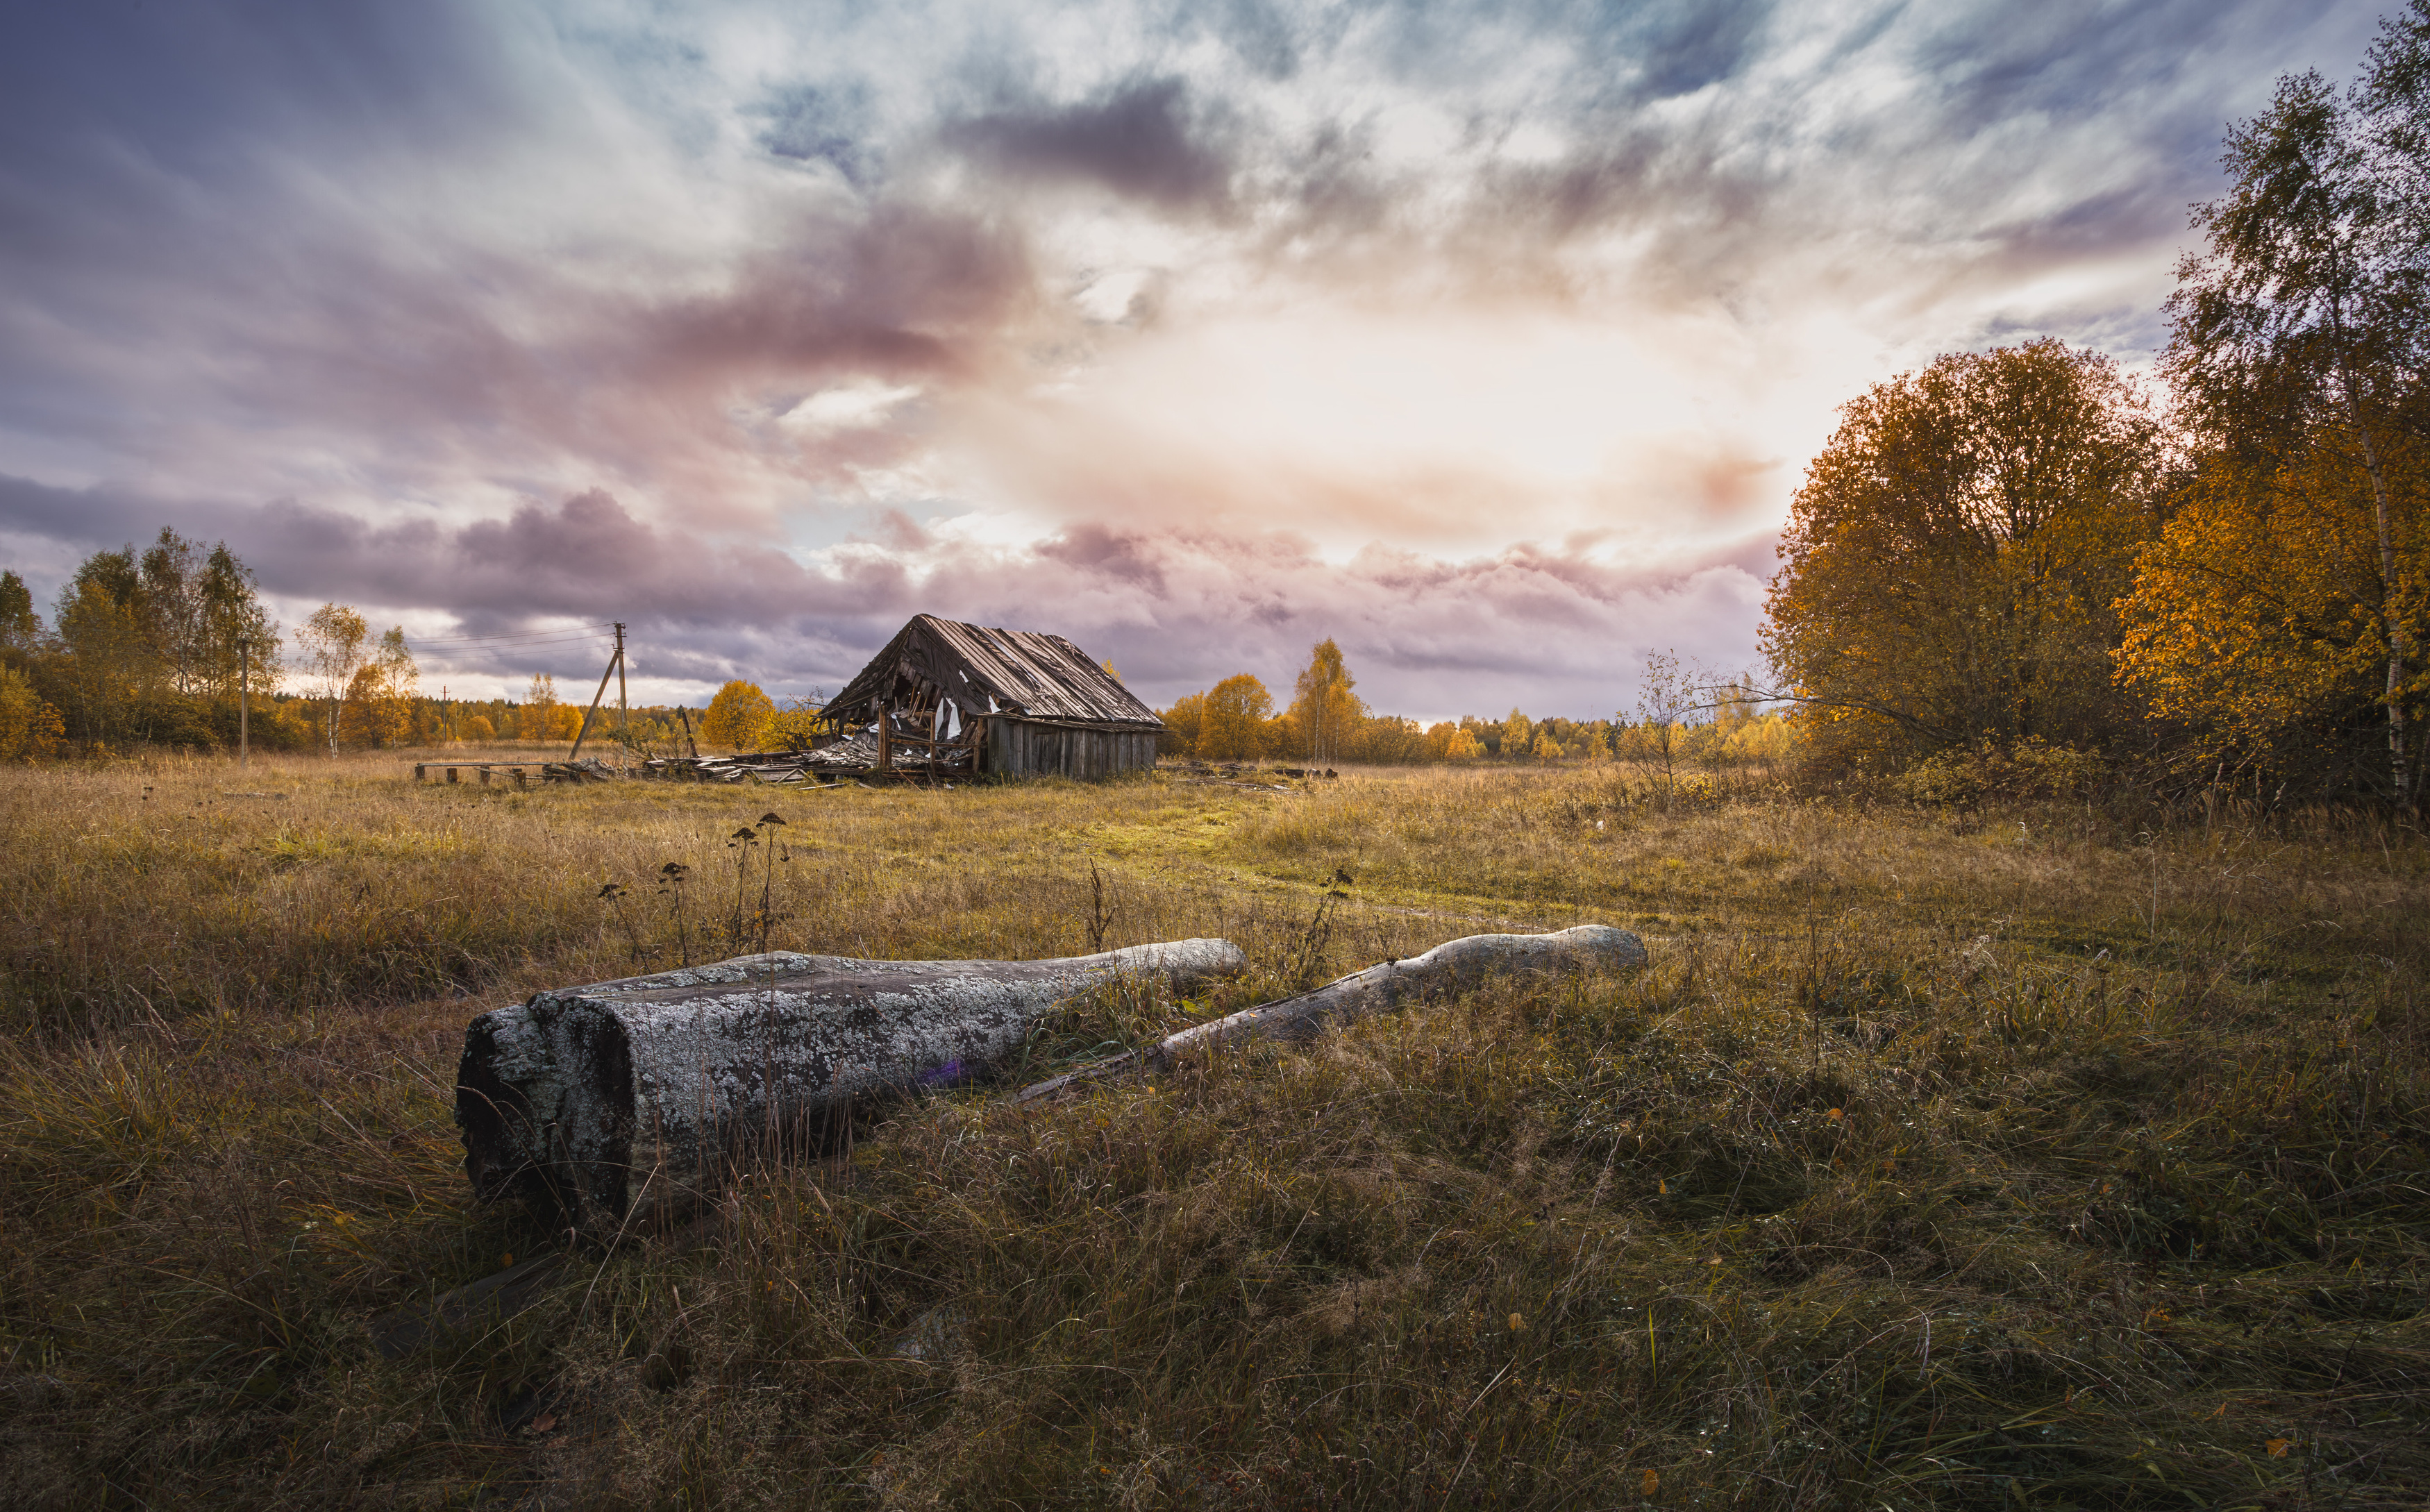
(946, 698)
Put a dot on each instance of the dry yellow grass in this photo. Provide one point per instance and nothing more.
(2059, 1157)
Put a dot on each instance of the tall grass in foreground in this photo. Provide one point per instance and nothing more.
(2051, 1157)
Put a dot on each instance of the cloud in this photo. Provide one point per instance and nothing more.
(1141, 140)
(1556, 628)
(1552, 628)
(1489, 339)
(832, 125)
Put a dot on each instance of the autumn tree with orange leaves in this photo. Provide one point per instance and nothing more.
(1952, 565)
(1233, 720)
(2282, 616)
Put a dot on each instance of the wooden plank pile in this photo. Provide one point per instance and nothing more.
(1252, 776)
(852, 759)
(859, 756)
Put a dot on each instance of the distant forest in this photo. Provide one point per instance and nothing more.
(147, 648)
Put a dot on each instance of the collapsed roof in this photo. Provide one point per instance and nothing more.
(1020, 673)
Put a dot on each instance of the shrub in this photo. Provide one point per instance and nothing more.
(29, 726)
(2031, 768)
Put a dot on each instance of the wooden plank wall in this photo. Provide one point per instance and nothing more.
(1017, 748)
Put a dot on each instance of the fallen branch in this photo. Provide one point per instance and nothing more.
(625, 1098)
(1453, 966)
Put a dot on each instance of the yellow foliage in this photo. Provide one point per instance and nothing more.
(738, 717)
(535, 720)
(1518, 735)
(367, 716)
(1385, 739)
(2027, 768)
(1764, 737)
(1953, 559)
(1324, 722)
(1448, 741)
(547, 721)
(1234, 725)
(380, 696)
(793, 725)
(1181, 723)
(29, 726)
(2259, 616)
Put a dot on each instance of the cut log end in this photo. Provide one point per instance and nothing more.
(622, 1098)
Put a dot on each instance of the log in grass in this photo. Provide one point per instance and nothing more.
(625, 1098)
(1453, 966)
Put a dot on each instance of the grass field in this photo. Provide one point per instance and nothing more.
(2072, 1155)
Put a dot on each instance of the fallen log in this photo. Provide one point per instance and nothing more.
(626, 1099)
(1453, 966)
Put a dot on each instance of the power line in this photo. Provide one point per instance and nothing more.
(531, 634)
(505, 641)
(502, 650)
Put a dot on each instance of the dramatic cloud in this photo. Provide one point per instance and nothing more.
(1137, 142)
(1183, 607)
(1490, 340)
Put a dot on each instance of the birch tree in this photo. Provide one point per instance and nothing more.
(332, 640)
(2297, 352)
(1324, 714)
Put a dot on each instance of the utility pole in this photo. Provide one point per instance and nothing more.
(623, 709)
(615, 665)
(244, 687)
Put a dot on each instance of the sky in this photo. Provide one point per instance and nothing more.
(1489, 340)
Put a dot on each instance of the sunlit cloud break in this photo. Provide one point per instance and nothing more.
(1490, 341)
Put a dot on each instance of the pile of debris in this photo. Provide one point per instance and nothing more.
(593, 770)
(854, 757)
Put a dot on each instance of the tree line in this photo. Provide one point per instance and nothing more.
(2020, 557)
(149, 647)
(1684, 718)
(144, 646)
(153, 647)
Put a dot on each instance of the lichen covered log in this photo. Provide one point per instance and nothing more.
(1453, 966)
(624, 1098)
